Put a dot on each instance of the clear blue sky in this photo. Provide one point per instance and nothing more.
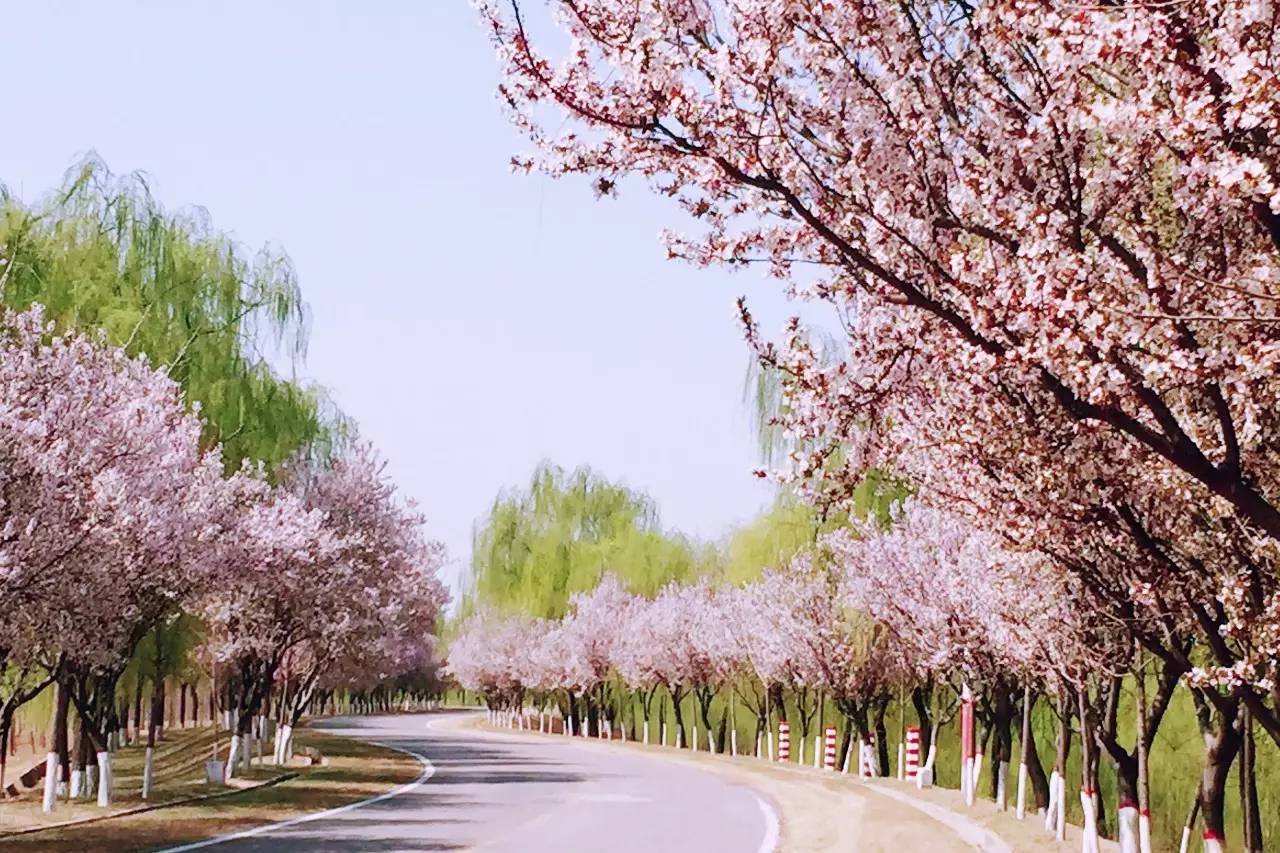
(473, 321)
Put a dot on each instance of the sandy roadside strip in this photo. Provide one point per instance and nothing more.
(821, 811)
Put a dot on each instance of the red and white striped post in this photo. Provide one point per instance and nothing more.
(829, 759)
(784, 741)
(913, 752)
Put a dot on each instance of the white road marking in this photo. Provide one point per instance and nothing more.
(610, 798)
(428, 770)
(769, 843)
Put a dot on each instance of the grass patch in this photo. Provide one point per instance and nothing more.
(354, 771)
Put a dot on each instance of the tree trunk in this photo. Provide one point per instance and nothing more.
(677, 697)
(846, 742)
(58, 735)
(593, 714)
(882, 734)
(572, 716)
(137, 710)
(6, 725)
(1221, 743)
(1001, 743)
(1252, 819)
(79, 783)
(705, 697)
(1035, 769)
(920, 698)
(62, 741)
(154, 722)
(778, 701)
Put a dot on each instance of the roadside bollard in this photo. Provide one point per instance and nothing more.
(784, 741)
(829, 756)
(913, 752)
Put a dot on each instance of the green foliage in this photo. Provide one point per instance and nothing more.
(771, 540)
(540, 545)
(102, 254)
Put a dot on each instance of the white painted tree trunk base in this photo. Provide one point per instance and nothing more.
(924, 776)
(1089, 834)
(50, 801)
(148, 768)
(286, 744)
(1127, 829)
(1002, 786)
(104, 779)
(1060, 823)
(77, 784)
(233, 756)
(1051, 813)
(1021, 807)
(1144, 833)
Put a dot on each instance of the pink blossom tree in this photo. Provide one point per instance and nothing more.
(282, 575)
(1061, 267)
(109, 502)
(633, 658)
(589, 636)
(384, 587)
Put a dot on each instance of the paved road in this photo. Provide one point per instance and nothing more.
(492, 792)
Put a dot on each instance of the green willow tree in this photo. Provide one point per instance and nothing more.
(541, 544)
(101, 253)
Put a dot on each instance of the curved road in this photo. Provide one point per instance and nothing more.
(492, 792)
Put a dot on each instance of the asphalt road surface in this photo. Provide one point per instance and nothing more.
(491, 792)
